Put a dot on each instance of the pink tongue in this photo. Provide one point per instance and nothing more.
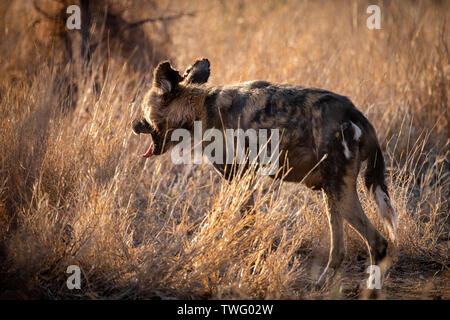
(149, 152)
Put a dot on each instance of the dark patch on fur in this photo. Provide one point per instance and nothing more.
(259, 84)
(212, 115)
(334, 166)
(238, 104)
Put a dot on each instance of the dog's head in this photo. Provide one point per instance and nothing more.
(168, 104)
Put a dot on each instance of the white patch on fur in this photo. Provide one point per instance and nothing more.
(357, 130)
(347, 152)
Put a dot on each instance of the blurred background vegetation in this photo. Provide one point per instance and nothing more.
(73, 189)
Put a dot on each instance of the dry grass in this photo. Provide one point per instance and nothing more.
(73, 189)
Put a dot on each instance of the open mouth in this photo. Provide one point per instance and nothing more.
(154, 148)
(142, 126)
(149, 152)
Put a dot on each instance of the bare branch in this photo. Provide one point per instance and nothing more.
(141, 22)
(162, 18)
(45, 14)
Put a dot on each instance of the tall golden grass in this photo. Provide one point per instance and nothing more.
(74, 191)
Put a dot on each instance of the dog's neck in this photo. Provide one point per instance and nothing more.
(189, 106)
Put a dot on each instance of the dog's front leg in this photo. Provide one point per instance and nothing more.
(337, 245)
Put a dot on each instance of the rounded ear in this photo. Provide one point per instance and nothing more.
(165, 77)
(197, 73)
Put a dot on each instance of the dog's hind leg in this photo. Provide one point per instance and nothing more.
(341, 170)
(375, 241)
(347, 207)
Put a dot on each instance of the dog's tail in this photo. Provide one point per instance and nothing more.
(374, 176)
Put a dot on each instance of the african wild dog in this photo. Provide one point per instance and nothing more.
(317, 125)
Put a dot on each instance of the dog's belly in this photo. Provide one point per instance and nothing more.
(301, 164)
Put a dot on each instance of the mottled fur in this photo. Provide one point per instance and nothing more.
(315, 125)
